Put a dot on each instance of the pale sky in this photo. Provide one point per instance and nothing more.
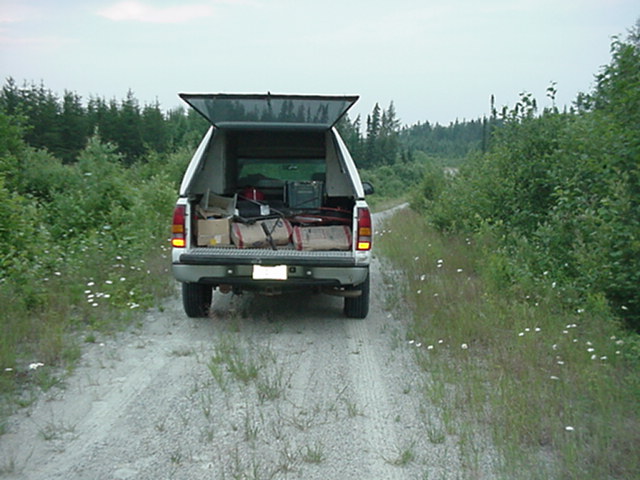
(438, 60)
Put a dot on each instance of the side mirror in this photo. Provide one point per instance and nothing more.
(368, 188)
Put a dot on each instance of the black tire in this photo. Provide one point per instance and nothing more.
(196, 299)
(358, 307)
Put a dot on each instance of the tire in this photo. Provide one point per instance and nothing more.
(358, 307)
(196, 299)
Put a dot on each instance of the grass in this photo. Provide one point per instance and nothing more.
(45, 320)
(314, 453)
(403, 456)
(555, 390)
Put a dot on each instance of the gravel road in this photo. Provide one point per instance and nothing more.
(268, 387)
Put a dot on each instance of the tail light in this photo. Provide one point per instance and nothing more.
(365, 232)
(178, 239)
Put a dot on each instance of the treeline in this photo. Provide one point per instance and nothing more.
(383, 141)
(64, 125)
(560, 192)
(453, 142)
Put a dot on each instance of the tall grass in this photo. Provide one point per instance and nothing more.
(556, 390)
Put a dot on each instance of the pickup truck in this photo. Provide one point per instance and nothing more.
(272, 201)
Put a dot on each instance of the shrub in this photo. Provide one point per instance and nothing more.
(561, 191)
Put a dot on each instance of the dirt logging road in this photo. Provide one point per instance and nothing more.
(268, 387)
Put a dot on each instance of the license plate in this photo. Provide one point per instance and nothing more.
(279, 272)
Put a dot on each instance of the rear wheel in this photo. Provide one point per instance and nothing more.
(196, 299)
(358, 307)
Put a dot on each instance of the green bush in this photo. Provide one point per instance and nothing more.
(562, 190)
(82, 246)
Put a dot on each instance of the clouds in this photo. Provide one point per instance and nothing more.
(141, 12)
(14, 12)
(438, 60)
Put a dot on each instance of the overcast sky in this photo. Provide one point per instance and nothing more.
(438, 60)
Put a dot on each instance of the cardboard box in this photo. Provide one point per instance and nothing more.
(255, 235)
(336, 237)
(214, 232)
(216, 206)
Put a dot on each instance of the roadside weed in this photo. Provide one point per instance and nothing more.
(403, 456)
(554, 389)
(313, 453)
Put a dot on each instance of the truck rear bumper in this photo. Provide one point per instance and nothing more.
(237, 256)
(232, 266)
(297, 275)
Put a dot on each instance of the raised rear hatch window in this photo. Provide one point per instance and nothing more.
(270, 110)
